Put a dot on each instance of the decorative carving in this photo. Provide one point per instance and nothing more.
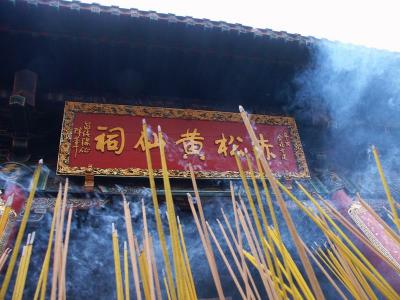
(71, 108)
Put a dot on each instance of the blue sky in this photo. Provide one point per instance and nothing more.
(370, 23)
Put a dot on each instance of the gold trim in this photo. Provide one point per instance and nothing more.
(71, 108)
(355, 211)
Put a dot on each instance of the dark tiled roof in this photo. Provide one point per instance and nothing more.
(171, 18)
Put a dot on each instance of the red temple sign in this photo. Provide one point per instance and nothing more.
(108, 140)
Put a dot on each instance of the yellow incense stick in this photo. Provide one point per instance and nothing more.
(58, 244)
(6, 214)
(207, 242)
(42, 282)
(347, 239)
(20, 268)
(166, 288)
(157, 215)
(4, 258)
(144, 275)
(370, 272)
(21, 231)
(146, 246)
(64, 256)
(253, 244)
(293, 232)
(206, 247)
(255, 215)
(247, 276)
(126, 272)
(261, 176)
(155, 270)
(227, 264)
(242, 267)
(350, 227)
(386, 187)
(292, 265)
(117, 264)
(176, 253)
(264, 220)
(25, 267)
(296, 294)
(186, 261)
(131, 238)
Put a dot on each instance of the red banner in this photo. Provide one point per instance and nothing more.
(108, 140)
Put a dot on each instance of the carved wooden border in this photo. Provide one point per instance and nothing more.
(71, 108)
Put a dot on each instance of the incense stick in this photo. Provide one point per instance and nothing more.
(132, 250)
(146, 245)
(211, 262)
(4, 258)
(65, 254)
(6, 214)
(42, 282)
(204, 230)
(21, 231)
(157, 215)
(126, 272)
(58, 244)
(387, 189)
(228, 266)
(293, 232)
(117, 264)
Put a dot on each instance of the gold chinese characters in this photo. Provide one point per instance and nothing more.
(112, 139)
(192, 144)
(151, 144)
(223, 144)
(81, 141)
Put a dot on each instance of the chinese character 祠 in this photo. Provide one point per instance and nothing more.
(112, 139)
(265, 146)
(140, 143)
(223, 144)
(192, 144)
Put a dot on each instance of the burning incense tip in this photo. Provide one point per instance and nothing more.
(143, 121)
(125, 246)
(241, 109)
(159, 128)
(41, 161)
(28, 239)
(112, 227)
(245, 150)
(10, 200)
(32, 238)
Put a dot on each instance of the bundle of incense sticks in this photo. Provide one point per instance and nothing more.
(341, 262)
(60, 250)
(6, 214)
(253, 239)
(147, 272)
(21, 231)
(178, 284)
(23, 268)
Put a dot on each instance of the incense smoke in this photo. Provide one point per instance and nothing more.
(355, 93)
(90, 265)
